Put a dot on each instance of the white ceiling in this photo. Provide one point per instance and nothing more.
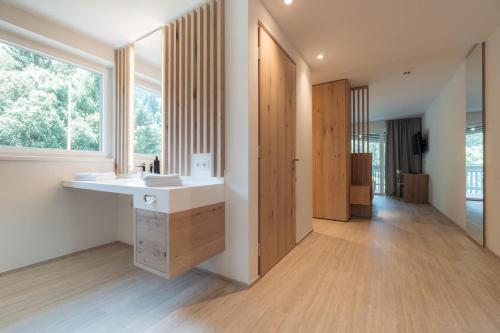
(149, 49)
(113, 22)
(373, 42)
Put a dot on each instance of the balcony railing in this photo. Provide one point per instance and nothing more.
(474, 181)
(377, 180)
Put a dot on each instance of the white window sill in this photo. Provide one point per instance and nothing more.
(51, 155)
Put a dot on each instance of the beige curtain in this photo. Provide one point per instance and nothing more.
(124, 103)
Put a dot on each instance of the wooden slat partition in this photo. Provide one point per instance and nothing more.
(360, 124)
(193, 88)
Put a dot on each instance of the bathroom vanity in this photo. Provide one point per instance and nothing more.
(175, 228)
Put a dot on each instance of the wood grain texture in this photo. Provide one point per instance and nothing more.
(170, 244)
(361, 195)
(331, 147)
(194, 236)
(361, 184)
(361, 169)
(416, 188)
(277, 104)
(193, 88)
(409, 269)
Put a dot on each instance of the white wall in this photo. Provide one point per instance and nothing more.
(234, 262)
(492, 119)
(445, 162)
(41, 220)
(444, 122)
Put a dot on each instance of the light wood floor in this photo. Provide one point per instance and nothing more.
(408, 270)
(475, 220)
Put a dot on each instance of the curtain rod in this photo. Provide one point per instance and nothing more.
(147, 35)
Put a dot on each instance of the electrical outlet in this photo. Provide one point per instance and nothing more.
(201, 165)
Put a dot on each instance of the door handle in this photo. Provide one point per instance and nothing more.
(296, 160)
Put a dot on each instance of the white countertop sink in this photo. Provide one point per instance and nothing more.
(192, 194)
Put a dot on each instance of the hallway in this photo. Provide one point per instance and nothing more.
(409, 270)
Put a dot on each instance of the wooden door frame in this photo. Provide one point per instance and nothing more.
(262, 26)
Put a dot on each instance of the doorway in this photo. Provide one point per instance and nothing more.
(277, 109)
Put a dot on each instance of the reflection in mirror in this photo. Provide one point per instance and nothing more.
(147, 92)
(474, 144)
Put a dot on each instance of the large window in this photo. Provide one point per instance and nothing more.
(48, 103)
(148, 121)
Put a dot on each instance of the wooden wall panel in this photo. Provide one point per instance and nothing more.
(277, 112)
(361, 184)
(361, 169)
(332, 146)
(193, 88)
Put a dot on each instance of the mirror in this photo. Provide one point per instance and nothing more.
(147, 99)
(474, 144)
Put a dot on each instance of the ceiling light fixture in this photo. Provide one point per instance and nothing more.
(288, 2)
(320, 56)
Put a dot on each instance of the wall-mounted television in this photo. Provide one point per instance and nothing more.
(419, 143)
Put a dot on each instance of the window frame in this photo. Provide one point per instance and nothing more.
(59, 54)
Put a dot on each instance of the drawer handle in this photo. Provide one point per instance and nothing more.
(149, 199)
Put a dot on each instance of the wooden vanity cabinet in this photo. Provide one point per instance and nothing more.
(171, 244)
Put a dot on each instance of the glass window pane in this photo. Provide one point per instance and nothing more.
(148, 121)
(43, 101)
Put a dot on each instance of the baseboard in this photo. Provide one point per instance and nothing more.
(240, 284)
(303, 237)
(447, 217)
(15, 270)
(463, 230)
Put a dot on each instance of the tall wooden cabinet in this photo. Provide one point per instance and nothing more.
(332, 149)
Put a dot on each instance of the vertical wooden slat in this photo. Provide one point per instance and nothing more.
(181, 106)
(358, 120)
(193, 95)
(172, 97)
(206, 73)
(352, 121)
(187, 95)
(194, 73)
(362, 119)
(175, 98)
(368, 115)
(200, 81)
(220, 89)
(212, 99)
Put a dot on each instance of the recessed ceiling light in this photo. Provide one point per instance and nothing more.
(288, 2)
(320, 56)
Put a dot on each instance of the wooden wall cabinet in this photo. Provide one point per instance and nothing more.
(332, 149)
(170, 244)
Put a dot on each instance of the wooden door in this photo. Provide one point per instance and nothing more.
(332, 150)
(277, 103)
